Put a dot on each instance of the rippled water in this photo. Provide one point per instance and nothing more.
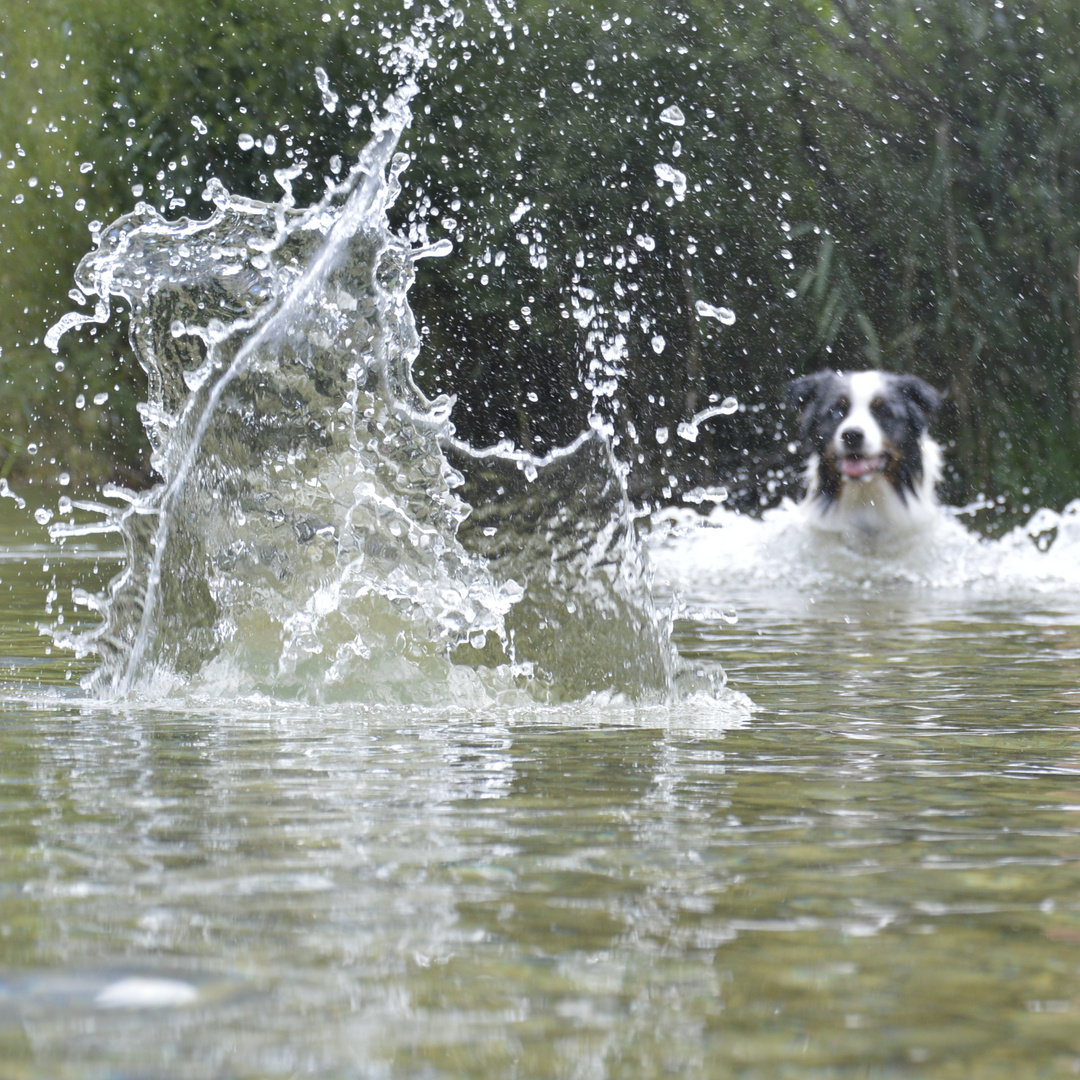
(874, 871)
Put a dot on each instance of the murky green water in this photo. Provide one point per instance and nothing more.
(875, 874)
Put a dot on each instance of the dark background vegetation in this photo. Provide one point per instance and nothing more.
(868, 184)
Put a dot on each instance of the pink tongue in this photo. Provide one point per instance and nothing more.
(860, 466)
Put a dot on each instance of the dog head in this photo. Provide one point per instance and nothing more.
(861, 425)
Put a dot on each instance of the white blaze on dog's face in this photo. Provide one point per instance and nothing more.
(859, 443)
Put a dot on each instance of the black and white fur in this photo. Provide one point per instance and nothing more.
(872, 468)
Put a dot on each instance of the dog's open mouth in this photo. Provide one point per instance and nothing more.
(856, 466)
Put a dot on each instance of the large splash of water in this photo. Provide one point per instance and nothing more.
(318, 531)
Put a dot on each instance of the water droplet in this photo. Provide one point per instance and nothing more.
(668, 174)
(86, 166)
(7, 493)
(728, 406)
(658, 344)
(100, 399)
(662, 435)
(437, 250)
(707, 311)
(329, 98)
(673, 115)
(269, 144)
(645, 242)
(43, 516)
(198, 125)
(246, 141)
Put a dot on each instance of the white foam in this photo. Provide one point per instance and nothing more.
(709, 559)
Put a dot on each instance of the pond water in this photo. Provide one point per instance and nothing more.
(874, 870)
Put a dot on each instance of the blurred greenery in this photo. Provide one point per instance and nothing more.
(867, 184)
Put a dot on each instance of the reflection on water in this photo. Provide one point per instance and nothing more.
(874, 873)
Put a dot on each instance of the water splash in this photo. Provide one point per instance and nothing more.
(731, 557)
(561, 525)
(309, 536)
(690, 429)
(709, 311)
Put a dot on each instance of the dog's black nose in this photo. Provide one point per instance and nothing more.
(852, 439)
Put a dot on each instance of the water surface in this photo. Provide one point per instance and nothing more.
(872, 873)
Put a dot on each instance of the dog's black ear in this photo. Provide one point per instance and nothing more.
(923, 398)
(806, 389)
(803, 393)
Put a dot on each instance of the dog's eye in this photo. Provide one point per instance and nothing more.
(840, 408)
(880, 408)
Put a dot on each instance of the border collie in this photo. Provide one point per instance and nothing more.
(872, 468)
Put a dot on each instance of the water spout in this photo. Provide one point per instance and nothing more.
(319, 531)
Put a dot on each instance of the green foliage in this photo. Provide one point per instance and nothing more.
(868, 183)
